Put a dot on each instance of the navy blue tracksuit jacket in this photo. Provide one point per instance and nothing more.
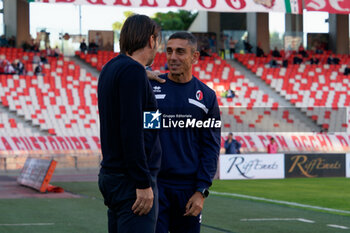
(189, 155)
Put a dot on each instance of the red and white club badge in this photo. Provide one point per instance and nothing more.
(199, 95)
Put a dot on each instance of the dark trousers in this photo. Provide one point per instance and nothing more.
(119, 193)
(172, 207)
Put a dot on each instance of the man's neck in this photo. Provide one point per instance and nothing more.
(180, 78)
(139, 56)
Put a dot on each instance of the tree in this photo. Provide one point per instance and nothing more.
(180, 20)
(117, 26)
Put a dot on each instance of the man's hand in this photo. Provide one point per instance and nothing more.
(144, 201)
(194, 205)
(153, 75)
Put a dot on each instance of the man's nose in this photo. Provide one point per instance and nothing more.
(172, 56)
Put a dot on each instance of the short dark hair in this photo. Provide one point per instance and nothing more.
(192, 40)
(136, 32)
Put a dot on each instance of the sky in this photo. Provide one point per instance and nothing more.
(65, 17)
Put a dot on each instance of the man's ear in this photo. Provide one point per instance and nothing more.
(152, 42)
(195, 57)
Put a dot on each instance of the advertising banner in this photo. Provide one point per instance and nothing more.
(289, 6)
(48, 144)
(314, 165)
(294, 142)
(347, 160)
(331, 6)
(252, 166)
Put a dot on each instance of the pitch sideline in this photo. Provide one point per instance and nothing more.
(280, 202)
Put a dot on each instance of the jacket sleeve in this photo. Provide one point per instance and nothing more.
(210, 145)
(226, 145)
(132, 94)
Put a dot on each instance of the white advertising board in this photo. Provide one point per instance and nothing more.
(251, 166)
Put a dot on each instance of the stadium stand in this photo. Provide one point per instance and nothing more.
(97, 60)
(10, 127)
(321, 91)
(251, 110)
(63, 102)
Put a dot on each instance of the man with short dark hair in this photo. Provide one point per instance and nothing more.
(131, 154)
(232, 146)
(190, 153)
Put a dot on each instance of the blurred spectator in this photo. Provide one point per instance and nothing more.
(99, 40)
(332, 60)
(19, 67)
(12, 42)
(83, 47)
(212, 43)
(276, 53)
(49, 52)
(319, 48)
(302, 51)
(260, 51)
(9, 69)
(273, 63)
(43, 58)
(286, 58)
(38, 69)
(314, 60)
(232, 45)
(230, 94)
(36, 59)
(204, 52)
(297, 60)
(25, 46)
(34, 46)
(347, 70)
(226, 44)
(272, 147)
(92, 47)
(247, 47)
(223, 46)
(57, 52)
(232, 146)
(3, 41)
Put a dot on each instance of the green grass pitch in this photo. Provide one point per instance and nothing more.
(221, 213)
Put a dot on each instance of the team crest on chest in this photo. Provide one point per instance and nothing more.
(199, 95)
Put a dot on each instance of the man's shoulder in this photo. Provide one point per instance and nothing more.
(204, 87)
(123, 64)
(156, 83)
